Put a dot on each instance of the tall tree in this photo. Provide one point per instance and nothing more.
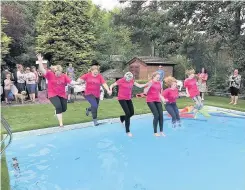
(5, 40)
(219, 20)
(65, 32)
(150, 27)
(111, 39)
(21, 16)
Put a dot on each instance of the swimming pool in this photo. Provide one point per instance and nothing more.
(204, 154)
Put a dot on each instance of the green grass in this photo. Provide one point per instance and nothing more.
(4, 174)
(31, 117)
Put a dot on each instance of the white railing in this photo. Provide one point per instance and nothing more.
(8, 135)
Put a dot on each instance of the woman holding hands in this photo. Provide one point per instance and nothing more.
(125, 87)
(57, 82)
(93, 81)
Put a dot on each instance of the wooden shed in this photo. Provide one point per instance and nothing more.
(143, 66)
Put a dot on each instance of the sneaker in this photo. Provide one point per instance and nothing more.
(174, 125)
(95, 122)
(87, 112)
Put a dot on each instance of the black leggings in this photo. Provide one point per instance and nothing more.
(94, 102)
(156, 109)
(128, 108)
(173, 110)
(59, 103)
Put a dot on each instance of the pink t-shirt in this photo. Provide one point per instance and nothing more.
(56, 85)
(170, 94)
(153, 94)
(125, 89)
(191, 85)
(93, 84)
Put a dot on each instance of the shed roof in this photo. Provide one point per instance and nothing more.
(149, 60)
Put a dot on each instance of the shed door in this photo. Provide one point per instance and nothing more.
(135, 69)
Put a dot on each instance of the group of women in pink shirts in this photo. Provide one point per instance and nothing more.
(153, 89)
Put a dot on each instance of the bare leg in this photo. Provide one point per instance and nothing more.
(202, 95)
(30, 95)
(33, 97)
(69, 97)
(232, 100)
(236, 98)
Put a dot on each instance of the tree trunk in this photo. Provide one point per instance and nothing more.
(237, 22)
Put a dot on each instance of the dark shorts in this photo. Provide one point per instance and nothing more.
(31, 88)
(234, 91)
(21, 87)
(70, 90)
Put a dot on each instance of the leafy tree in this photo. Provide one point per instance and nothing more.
(21, 16)
(65, 32)
(5, 40)
(182, 64)
(150, 28)
(111, 39)
(221, 22)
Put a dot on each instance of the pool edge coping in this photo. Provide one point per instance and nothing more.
(51, 130)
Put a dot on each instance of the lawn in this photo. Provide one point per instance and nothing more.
(29, 117)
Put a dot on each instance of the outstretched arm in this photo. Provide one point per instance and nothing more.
(79, 81)
(187, 92)
(75, 83)
(113, 85)
(149, 84)
(107, 88)
(40, 62)
(139, 85)
(162, 98)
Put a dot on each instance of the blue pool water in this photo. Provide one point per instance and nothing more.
(201, 155)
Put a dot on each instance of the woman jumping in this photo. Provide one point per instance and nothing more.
(93, 81)
(170, 95)
(57, 82)
(153, 99)
(125, 85)
(192, 90)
